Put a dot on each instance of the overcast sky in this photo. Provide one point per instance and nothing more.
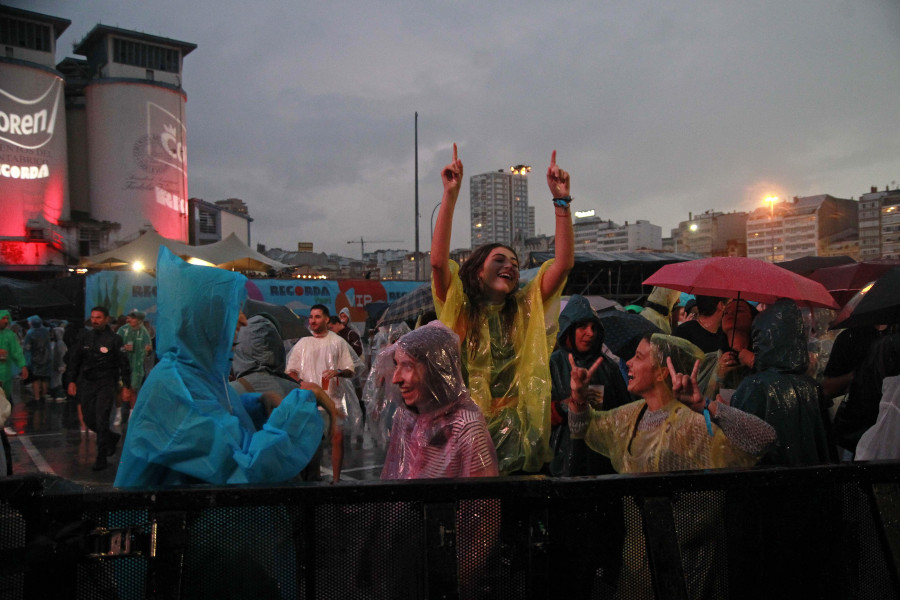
(306, 110)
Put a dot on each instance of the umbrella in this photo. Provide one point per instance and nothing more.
(807, 264)
(292, 327)
(879, 305)
(408, 307)
(843, 281)
(622, 328)
(376, 309)
(740, 277)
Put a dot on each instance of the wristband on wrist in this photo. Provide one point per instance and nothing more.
(563, 202)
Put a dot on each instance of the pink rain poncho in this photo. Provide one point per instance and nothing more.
(443, 434)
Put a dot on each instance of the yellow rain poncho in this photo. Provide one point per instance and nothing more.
(681, 443)
(659, 307)
(509, 373)
(674, 437)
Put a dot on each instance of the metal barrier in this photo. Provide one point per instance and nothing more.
(828, 532)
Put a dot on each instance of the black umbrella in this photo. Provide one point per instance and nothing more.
(807, 264)
(409, 307)
(376, 309)
(622, 329)
(878, 306)
(291, 326)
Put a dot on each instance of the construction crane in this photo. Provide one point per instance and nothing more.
(362, 245)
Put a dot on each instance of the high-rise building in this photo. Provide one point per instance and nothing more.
(804, 227)
(499, 207)
(879, 224)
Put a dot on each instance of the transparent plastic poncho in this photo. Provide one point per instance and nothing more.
(509, 373)
(311, 355)
(681, 441)
(663, 297)
(443, 433)
(879, 442)
(380, 396)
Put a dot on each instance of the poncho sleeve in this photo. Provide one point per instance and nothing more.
(176, 439)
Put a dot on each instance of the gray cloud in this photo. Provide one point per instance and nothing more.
(657, 109)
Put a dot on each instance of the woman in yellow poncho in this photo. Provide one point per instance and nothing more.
(507, 333)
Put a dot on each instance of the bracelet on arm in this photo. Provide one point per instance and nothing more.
(706, 416)
(562, 202)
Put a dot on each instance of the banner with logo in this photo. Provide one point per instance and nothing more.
(33, 162)
(123, 291)
(138, 156)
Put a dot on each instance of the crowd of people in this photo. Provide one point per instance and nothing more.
(506, 380)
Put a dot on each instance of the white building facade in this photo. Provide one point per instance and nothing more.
(593, 234)
(799, 228)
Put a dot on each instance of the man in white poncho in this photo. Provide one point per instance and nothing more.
(326, 359)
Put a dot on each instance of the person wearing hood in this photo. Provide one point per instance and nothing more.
(39, 356)
(258, 367)
(136, 342)
(658, 307)
(189, 425)
(673, 427)
(437, 431)
(581, 337)
(780, 392)
(12, 359)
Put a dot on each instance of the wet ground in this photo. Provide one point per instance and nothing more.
(49, 440)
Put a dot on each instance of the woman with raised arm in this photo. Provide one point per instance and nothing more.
(507, 333)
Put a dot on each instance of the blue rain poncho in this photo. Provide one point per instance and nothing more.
(188, 425)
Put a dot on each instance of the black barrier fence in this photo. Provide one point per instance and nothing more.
(829, 532)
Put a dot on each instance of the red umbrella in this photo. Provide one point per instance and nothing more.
(739, 277)
(843, 281)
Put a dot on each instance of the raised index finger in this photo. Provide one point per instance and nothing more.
(553, 159)
(454, 152)
(696, 368)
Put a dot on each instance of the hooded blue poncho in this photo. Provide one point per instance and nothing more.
(188, 425)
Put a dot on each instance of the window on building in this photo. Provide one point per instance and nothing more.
(25, 34)
(148, 56)
(207, 222)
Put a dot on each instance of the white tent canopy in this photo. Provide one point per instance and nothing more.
(233, 254)
(230, 253)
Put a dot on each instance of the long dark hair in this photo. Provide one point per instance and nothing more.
(474, 290)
